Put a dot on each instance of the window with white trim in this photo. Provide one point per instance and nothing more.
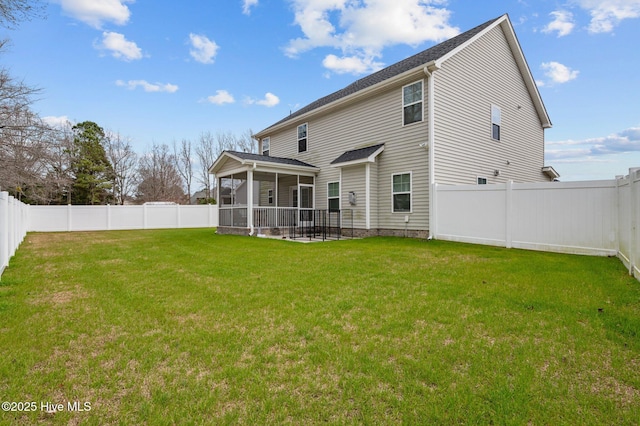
(302, 137)
(496, 122)
(412, 103)
(333, 196)
(270, 196)
(266, 145)
(401, 192)
(482, 180)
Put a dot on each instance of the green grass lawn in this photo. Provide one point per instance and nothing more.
(189, 327)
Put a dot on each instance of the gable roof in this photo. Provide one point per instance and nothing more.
(245, 158)
(439, 53)
(361, 155)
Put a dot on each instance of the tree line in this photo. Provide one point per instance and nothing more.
(85, 164)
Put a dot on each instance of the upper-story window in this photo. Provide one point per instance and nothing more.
(496, 122)
(266, 142)
(302, 137)
(412, 102)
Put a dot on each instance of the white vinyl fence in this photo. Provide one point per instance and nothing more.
(594, 217)
(13, 227)
(106, 218)
(17, 218)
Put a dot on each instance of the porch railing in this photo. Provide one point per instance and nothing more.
(293, 222)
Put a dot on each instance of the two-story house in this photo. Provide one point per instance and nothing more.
(464, 111)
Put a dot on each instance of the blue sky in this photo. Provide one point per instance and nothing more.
(156, 71)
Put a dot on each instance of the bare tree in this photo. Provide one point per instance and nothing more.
(207, 150)
(182, 156)
(158, 178)
(58, 178)
(246, 143)
(14, 11)
(23, 157)
(124, 161)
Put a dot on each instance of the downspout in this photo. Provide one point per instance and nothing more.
(429, 70)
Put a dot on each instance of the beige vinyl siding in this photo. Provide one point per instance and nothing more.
(353, 179)
(375, 191)
(228, 166)
(375, 120)
(483, 74)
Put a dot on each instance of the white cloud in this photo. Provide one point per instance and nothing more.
(221, 97)
(361, 30)
(247, 5)
(270, 100)
(56, 122)
(559, 73)
(119, 46)
(562, 23)
(96, 12)
(148, 87)
(351, 64)
(606, 14)
(203, 50)
(624, 142)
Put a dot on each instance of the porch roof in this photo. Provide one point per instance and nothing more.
(247, 159)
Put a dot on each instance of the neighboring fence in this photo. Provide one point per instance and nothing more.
(105, 218)
(595, 217)
(13, 227)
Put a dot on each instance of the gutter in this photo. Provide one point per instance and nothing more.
(429, 70)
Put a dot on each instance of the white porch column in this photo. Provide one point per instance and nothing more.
(250, 200)
(277, 203)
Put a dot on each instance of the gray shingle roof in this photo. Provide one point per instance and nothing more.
(357, 154)
(268, 159)
(398, 68)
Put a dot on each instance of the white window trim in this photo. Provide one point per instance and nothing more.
(413, 103)
(498, 123)
(268, 140)
(410, 192)
(332, 198)
(298, 138)
(486, 181)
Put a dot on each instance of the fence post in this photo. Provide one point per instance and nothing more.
(178, 216)
(434, 215)
(508, 213)
(68, 217)
(108, 217)
(4, 230)
(634, 247)
(144, 216)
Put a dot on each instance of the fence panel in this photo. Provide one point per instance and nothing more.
(471, 213)
(103, 218)
(14, 217)
(577, 217)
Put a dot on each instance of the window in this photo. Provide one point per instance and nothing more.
(333, 197)
(412, 103)
(266, 142)
(401, 190)
(496, 119)
(270, 196)
(482, 180)
(302, 137)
